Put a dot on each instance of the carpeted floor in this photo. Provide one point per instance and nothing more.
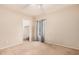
(38, 48)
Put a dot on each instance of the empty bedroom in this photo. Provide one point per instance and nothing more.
(39, 29)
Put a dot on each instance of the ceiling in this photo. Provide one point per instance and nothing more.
(35, 9)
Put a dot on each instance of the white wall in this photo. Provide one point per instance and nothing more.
(62, 27)
(11, 28)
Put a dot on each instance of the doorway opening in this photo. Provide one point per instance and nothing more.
(26, 30)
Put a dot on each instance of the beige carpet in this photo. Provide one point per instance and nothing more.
(38, 48)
